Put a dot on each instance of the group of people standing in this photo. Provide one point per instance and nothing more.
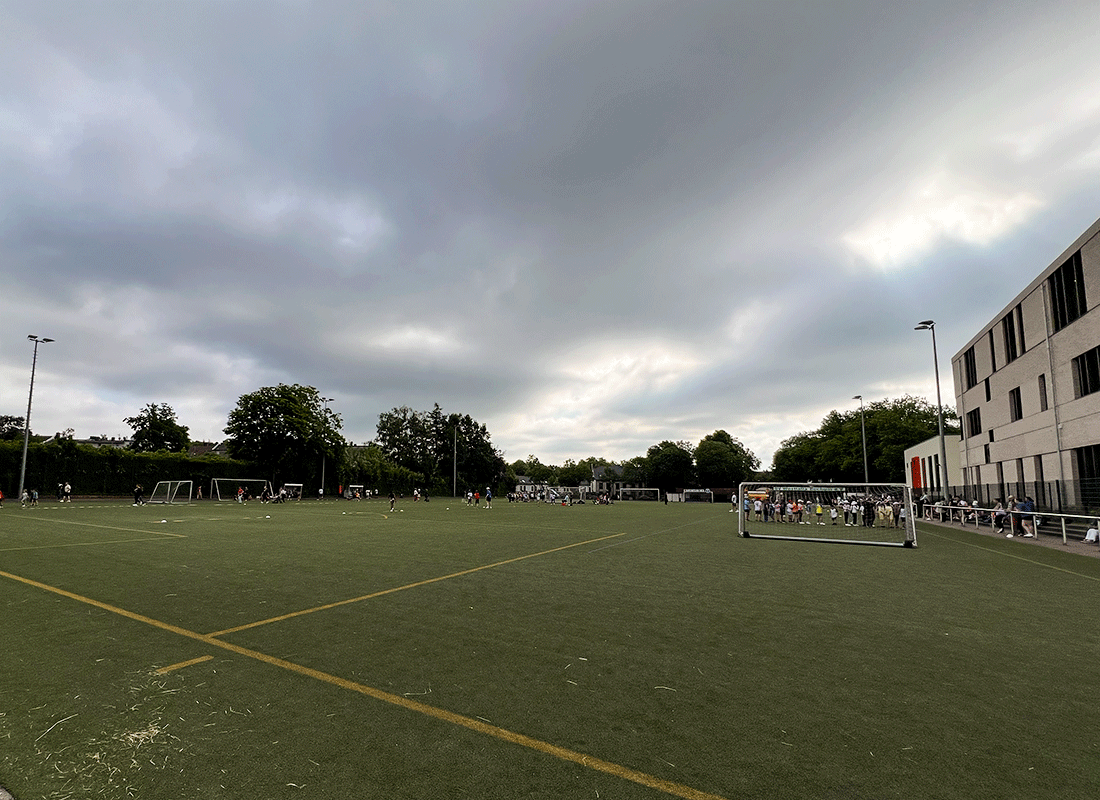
(474, 498)
(866, 511)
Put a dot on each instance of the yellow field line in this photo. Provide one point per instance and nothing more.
(565, 754)
(383, 592)
(110, 527)
(182, 664)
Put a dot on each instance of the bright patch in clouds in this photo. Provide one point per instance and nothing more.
(944, 207)
(414, 339)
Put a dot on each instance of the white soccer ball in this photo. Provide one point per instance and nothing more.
(164, 520)
(268, 517)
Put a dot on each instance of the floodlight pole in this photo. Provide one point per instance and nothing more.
(27, 422)
(930, 325)
(863, 431)
(454, 479)
(326, 401)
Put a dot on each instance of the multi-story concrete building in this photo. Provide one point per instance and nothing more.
(1027, 388)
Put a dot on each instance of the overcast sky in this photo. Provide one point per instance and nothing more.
(592, 226)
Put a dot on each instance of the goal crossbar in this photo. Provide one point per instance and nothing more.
(254, 485)
(171, 492)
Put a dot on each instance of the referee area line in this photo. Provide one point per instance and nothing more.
(471, 723)
(414, 585)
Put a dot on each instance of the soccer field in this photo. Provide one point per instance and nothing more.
(640, 650)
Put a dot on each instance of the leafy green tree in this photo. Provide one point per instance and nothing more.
(573, 474)
(11, 428)
(156, 428)
(670, 466)
(535, 470)
(287, 432)
(441, 447)
(636, 471)
(834, 452)
(722, 461)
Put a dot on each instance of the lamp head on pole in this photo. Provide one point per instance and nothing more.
(925, 325)
(42, 339)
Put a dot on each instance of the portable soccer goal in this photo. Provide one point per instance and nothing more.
(639, 493)
(351, 490)
(853, 513)
(293, 491)
(171, 492)
(224, 489)
(698, 496)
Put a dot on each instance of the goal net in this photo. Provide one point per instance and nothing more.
(171, 492)
(698, 496)
(639, 493)
(239, 489)
(852, 513)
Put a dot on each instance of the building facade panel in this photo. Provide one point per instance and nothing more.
(1027, 386)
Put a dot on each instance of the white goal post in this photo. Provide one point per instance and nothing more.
(171, 492)
(698, 496)
(224, 489)
(850, 513)
(639, 493)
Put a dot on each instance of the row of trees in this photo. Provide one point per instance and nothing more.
(718, 460)
(834, 452)
(288, 434)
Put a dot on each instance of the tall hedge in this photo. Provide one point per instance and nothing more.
(107, 471)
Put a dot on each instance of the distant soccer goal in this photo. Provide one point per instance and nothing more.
(293, 491)
(698, 496)
(639, 493)
(240, 489)
(171, 492)
(854, 513)
(354, 491)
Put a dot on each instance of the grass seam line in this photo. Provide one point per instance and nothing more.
(383, 592)
(78, 544)
(112, 527)
(1013, 555)
(503, 734)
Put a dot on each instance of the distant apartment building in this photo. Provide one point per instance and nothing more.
(1027, 388)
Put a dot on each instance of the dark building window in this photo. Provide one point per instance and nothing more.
(1086, 373)
(1043, 393)
(970, 368)
(1019, 313)
(1067, 292)
(1088, 472)
(974, 422)
(1008, 330)
(992, 352)
(988, 393)
(1015, 405)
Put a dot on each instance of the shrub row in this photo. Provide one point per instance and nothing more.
(106, 471)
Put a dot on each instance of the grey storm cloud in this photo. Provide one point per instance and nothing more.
(590, 225)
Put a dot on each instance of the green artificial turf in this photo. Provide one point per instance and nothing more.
(665, 654)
